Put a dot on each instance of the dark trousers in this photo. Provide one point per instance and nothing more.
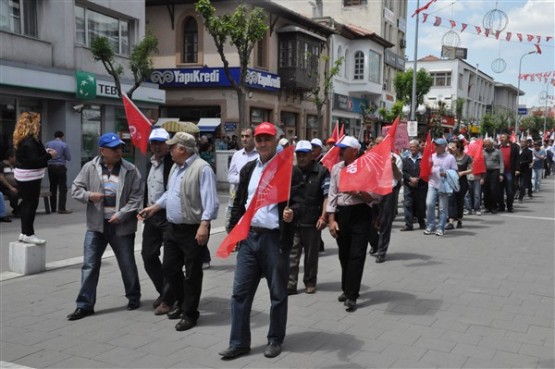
(507, 187)
(181, 249)
(524, 183)
(491, 189)
(387, 214)
(57, 175)
(414, 205)
(456, 202)
(153, 237)
(306, 239)
(30, 195)
(354, 230)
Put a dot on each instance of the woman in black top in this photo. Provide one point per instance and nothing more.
(456, 202)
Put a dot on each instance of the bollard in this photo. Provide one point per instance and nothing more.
(27, 258)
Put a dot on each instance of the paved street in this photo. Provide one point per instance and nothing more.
(480, 297)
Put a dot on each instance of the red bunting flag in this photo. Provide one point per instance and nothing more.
(486, 32)
(273, 188)
(497, 35)
(529, 37)
(476, 152)
(371, 172)
(539, 38)
(538, 49)
(519, 35)
(478, 29)
(509, 35)
(426, 162)
(423, 8)
(437, 21)
(464, 25)
(453, 23)
(332, 156)
(548, 38)
(139, 125)
(424, 17)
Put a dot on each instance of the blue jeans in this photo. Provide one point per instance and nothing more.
(474, 195)
(259, 255)
(537, 175)
(431, 198)
(94, 247)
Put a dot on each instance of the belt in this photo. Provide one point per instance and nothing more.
(260, 230)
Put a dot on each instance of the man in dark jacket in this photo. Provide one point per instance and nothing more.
(414, 189)
(309, 227)
(158, 169)
(509, 152)
(525, 170)
(265, 252)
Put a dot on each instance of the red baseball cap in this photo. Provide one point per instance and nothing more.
(265, 128)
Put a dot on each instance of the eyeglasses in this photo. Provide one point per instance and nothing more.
(245, 136)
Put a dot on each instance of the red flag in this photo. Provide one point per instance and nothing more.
(478, 29)
(139, 125)
(273, 188)
(335, 133)
(437, 21)
(424, 17)
(509, 35)
(548, 38)
(529, 37)
(519, 35)
(371, 172)
(423, 8)
(426, 162)
(453, 23)
(497, 33)
(538, 49)
(539, 38)
(332, 156)
(392, 132)
(342, 131)
(486, 32)
(464, 25)
(475, 150)
(513, 137)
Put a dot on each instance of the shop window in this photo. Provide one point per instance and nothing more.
(19, 16)
(259, 115)
(91, 119)
(359, 66)
(90, 24)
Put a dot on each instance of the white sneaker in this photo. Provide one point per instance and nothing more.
(206, 265)
(439, 232)
(32, 239)
(478, 212)
(21, 235)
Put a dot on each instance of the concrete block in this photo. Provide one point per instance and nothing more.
(27, 258)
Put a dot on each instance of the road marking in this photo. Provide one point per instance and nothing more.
(527, 217)
(4, 276)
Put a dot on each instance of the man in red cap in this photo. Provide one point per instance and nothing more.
(265, 252)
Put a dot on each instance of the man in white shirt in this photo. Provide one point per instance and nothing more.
(238, 161)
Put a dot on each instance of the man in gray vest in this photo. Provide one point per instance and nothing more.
(191, 202)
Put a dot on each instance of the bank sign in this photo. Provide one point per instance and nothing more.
(213, 77)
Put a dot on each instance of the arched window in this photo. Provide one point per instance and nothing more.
(190, 40)
(359, 66)
(346, 62)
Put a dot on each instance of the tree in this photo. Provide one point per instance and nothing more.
(403, 85)
(488, 125)
(320, 93)
(391, 114)
(244, 28)
(140, 62)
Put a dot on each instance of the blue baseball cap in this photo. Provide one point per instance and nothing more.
(110, 139)
(440, 141)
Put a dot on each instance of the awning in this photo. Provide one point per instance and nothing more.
(208, 124)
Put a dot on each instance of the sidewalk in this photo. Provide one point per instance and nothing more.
(482, 296)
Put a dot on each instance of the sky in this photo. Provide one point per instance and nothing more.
(535, 17)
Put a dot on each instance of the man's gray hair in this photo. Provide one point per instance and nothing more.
(414, 142)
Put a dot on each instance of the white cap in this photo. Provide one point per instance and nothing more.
(283, 141)
(317, 142)
(349, 141)
(303, 146)
(159, 134)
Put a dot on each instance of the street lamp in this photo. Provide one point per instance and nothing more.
(517, 120)
(406, 110)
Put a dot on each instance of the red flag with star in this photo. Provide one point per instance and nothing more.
(274, 187)
(139, 125)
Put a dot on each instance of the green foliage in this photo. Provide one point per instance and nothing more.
(403, 85)
(140, 62)
(488, 125)
(534, 124)
(391, 114)
(321, 91)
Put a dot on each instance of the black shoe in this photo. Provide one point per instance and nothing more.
(157, 302)
(493, 211)
(292, 291)
(406, 229)
(272, 350)
(372, 251)
(510, 210)
(422, 225)
(342, 298)
(351, 305)
(234, 352)
(133, 305)
(5, 219)
(79, 314)
(449, 226)
(459, 224)
(185, 324)
(175, 313)
(380, 259)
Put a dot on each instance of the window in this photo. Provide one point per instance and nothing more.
(359, 66)
(374, 66)
(90, 24)
(298, 53)
(190, 40)
(261, 53)
(19, 16)
(354, 2)
(441, 79)
(346, 62)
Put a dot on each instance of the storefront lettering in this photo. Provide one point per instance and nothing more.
(107, 89)
(196, 76)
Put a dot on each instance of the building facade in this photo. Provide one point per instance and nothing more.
(46, 66)
(282, 70)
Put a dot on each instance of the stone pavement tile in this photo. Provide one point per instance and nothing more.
(405, 337)
(515, 360)
(166, 347)
(474, 363)
(450, 324)
(132, 341)
(456, 336)
(504, 344)
(200, 339)
(28, 338)
(303, 340)
(120, 356)
(152, 361)
(199, 358)
(544, 353)
(511, 325)
(407, 363)
(365, 359)
(13, 351)
(480, 316)
(535, 336)
(79, 362)
(43, 358)
(88, 349)
(373, 345)
(404, 351)
(434, 343)
(486, 331)
(474, 351)
(58, 343)
(444, 359)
